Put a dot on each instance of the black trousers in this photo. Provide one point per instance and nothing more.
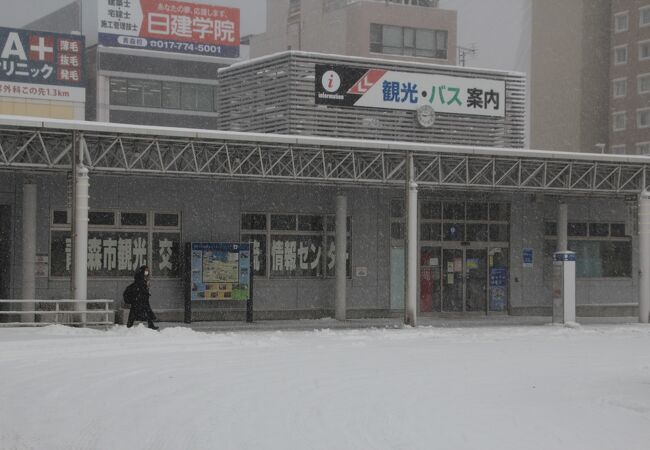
(131, 319)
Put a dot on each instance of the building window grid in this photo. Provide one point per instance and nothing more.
(593, 238)
(265, 232)
(620, 55)
(60, 220)
(162, 94)
(406, 41)
(621, 21)
(620, 87)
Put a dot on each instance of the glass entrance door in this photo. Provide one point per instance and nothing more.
(464, 280)
(429, 279)
(453, 284)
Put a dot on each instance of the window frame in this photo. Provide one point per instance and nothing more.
(619, 114)
(615, 83)
(625, 14)
(627, 57)
(639, 113)
(642, 10)
(639, 77)
(644, 44)
(638, 146)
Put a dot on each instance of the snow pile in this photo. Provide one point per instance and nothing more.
(418, 388)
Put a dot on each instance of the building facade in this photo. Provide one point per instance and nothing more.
(591, 93)
(406, 31)
(629, 130)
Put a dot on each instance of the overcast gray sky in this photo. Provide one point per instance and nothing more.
(498, 28)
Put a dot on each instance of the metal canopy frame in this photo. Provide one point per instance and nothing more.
(32, 145)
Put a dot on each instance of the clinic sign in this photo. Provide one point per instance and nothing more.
(380, 88)
(40, 65)
(169, 26)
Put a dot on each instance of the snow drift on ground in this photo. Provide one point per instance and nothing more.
(426, 388)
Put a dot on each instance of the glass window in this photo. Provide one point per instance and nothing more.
(499, 233)
(118, 95)
(550, 228)
(643, 148)
(375, 37)
(477, 211)
(644, 50)
(619, 121)
(392, 40)
(644, 16)
(430, 232)
(253, 221)
(259, 252)
(620, 55)
(188, 97)
(621, 22)
(453, 231)
(424, 44)
(284, 222)
(397, 208)
(60, 217)
(643, 118)
(135, 91)
(397, 230)
(618, 149)
(171, 95)
(602, 258)
(409, 41)
(577, 229)
(617, 229)
(204, 97)
(101, 218)
(165, 220)
(599, 229)
(500, 212)
(476, 231)
(643, 83)
(454, 211)
(441, 44)
(310, 223)
(152, 94)
(430, 210)
(620, 87)
(133, 219)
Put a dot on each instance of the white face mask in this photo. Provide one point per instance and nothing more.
(146, 273)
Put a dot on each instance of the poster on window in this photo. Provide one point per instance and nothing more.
(296, 256)
(220, 271)
(40, 65)
(170, 26)
(380, 88)
(118, 253)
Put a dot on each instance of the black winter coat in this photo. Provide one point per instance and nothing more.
(140, 304)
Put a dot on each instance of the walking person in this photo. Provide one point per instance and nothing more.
(137, 295)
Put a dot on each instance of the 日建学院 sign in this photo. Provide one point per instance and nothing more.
(169, 26)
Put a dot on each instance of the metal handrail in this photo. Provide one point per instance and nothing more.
(59, 313)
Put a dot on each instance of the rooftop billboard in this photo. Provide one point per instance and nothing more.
(40, 65)
(169, 26)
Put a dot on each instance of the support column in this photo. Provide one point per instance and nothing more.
(562, 227)
(29, 250)
(412, 247)
(341, 243)
(644, 257)
(81, 239)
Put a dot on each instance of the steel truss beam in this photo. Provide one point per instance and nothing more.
(266, 159)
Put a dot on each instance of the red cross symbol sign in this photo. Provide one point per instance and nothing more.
(41, 48)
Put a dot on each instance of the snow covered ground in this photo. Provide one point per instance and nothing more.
(541, 387)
